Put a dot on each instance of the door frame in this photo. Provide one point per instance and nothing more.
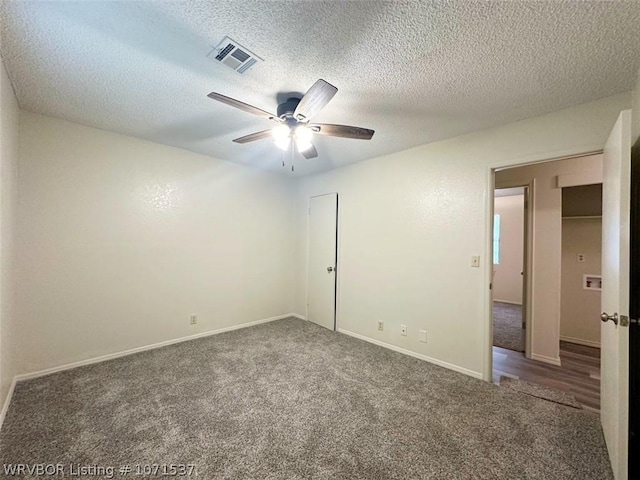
(336, 304)
(487, 264)
(634, 313)
(527, 259)
(527, 266)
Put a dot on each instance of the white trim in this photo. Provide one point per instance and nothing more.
(487, 282)
(541, 157)
(111, 356)
(297, 315)
(545, 359)
(529, 293)
(507, 301)
(404, 351)
(7, 401)
(579, 341)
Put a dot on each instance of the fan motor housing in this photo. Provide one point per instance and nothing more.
(287, 108)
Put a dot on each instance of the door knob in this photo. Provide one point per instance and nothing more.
(605, 317)
(330, 269)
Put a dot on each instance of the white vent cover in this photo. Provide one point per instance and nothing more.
(234, 55)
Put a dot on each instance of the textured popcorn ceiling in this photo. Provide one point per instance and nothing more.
(415, 72)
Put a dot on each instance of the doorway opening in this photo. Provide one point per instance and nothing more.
(509, 323)
(546, 232)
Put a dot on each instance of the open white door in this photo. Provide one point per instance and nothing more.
(321, 295)
(614, 409)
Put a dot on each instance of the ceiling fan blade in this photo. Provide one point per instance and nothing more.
(345, 131)
(242, 106)
(252, 137)
(310, 152)
(314, 100)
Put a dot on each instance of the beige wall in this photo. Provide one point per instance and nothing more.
(410, 222)
(507, 280)
(9, 114)
(112, 229)
(546, 208)
(121, 240)
(580, 309)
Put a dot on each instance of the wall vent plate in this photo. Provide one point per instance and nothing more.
(233, 55)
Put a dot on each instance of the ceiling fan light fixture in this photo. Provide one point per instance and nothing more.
(303, 134)
(303, 138)
(282, 136)
(293, 117)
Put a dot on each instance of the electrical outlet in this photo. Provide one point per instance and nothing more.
(380, 325)
(403, 330)
(581, 258)
(475, 261)
(423, 336)
(193, 319)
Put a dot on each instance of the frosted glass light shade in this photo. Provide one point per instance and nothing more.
(303, 138)
(282, 136)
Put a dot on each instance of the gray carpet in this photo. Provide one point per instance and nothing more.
(540, 391)
(291, 400)
(507, 326)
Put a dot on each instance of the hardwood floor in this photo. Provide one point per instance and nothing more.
(578, 375)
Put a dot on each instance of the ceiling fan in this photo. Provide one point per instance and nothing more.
(293, 118)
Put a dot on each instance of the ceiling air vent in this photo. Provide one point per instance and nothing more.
(234, 55)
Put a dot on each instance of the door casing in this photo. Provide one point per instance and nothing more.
(634, 313)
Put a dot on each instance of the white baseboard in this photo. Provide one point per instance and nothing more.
(7, 401)
(507, 301)
(545, 359)
(404, 351)
(111, 356)
(579, 341)
(297, 315)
